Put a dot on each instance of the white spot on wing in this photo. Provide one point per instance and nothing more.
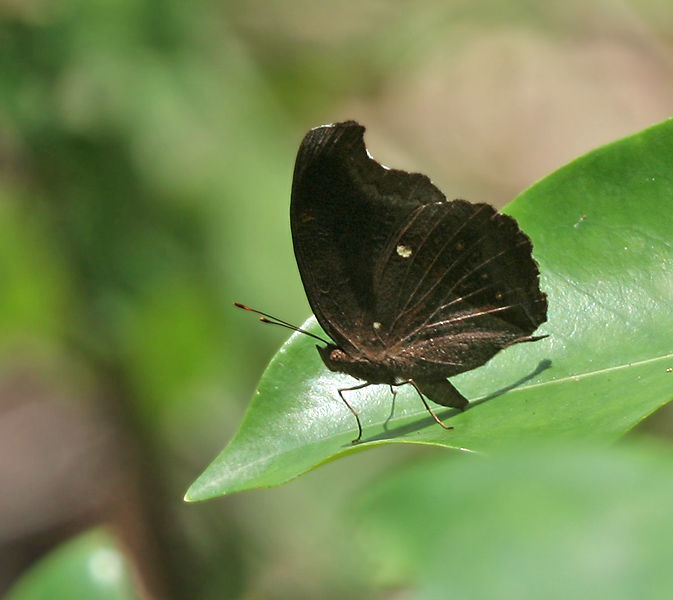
(404, 251)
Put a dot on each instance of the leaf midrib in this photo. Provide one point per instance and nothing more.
(597, 372)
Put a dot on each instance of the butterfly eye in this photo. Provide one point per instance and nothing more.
(338, 355)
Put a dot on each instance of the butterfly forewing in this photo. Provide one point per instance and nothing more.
(344, 209)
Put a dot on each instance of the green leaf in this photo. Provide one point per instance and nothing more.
(88, 566)
(553, 522)
(602, 232)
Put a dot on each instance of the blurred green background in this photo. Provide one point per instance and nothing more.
(146, 156)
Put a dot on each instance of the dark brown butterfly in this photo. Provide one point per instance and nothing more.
(412, 288)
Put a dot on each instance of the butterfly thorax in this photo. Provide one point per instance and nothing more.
(360, 367)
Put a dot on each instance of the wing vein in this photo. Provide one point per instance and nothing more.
(439, 252)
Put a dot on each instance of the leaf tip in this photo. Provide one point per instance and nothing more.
(196, 492)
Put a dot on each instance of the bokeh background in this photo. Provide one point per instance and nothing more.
(146, 156)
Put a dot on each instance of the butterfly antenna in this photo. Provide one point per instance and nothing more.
(271, 320)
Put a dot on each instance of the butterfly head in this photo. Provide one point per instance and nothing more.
(360, 367)
(334, 357)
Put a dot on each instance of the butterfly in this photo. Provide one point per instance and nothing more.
(411, 288)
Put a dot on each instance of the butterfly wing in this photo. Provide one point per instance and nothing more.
(393, 270)
(467, 288)
(345, 207)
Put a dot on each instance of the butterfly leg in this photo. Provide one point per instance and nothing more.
(355, 414)
(393, 391)
(442, 392)
(425, 403)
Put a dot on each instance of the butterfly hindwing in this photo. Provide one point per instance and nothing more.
(472, 290)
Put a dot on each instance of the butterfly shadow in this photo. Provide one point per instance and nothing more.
(390, 433)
